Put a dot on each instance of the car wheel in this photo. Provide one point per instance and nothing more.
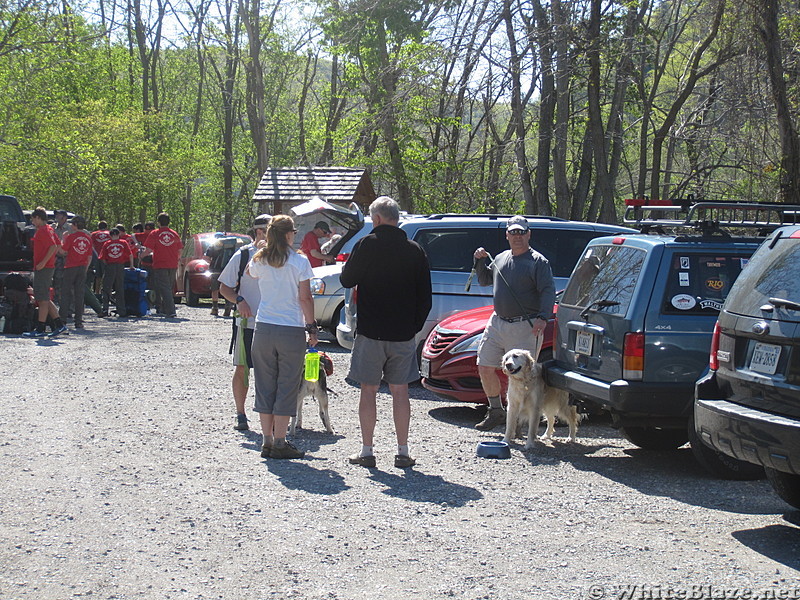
(655, 438)
(192, 299)
(786, 485)
(719, 464)
(335, 320)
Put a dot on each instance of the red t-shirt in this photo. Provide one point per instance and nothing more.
(141, 237)
(43, 239)
(100, 237)
(79, 249)
(311, 242)
(115, 252)
(166, 246)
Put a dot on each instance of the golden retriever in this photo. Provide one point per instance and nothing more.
(528, 394)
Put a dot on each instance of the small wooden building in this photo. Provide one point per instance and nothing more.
(281, 189)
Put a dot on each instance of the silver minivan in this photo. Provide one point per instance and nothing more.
(449, 240)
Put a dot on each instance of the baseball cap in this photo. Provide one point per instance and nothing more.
(262, 221)
(60, 211)
(322, 225)
(517, 223)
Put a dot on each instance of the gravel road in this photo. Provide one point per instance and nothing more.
(123, 478)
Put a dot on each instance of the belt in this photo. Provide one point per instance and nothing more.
(517, 319)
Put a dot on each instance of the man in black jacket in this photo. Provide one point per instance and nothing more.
(394, 298)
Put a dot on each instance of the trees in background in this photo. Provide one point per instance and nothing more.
(119, 110)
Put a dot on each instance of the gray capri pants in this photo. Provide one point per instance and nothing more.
(278, 353)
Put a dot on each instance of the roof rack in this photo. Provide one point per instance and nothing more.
(708, 217)
(491, 216)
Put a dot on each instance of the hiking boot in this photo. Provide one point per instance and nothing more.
(285, 449)
(401, 461)
(494, 417)
(214, 311)
(78, 325)
(241, 423)
(266, 451)
(364, 461)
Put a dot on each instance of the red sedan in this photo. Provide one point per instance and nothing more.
(449, 357)
(193, 277)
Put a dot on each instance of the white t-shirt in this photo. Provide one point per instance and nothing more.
(280, 295)
(249, 288)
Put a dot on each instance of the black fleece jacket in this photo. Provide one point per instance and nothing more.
(394, 284)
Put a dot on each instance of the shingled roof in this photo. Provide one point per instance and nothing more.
(280, 189)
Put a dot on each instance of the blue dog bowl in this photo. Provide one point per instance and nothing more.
(493, 450)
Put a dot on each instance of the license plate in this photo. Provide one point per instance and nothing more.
(765, 358)
(425, 367)
(583, 343)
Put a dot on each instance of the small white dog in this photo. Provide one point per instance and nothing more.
(528, 394)
(316, 389)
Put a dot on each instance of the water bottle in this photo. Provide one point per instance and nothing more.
(312, 364)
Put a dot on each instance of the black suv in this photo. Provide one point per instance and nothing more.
(748, 405)
(635, 321)
(16, 251)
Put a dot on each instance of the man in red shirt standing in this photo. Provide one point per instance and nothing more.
(165, 245)
(115, 253)
(311, 248)
(77, 246)
(45, 246)
(99, 237)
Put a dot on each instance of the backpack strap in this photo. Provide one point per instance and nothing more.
(242, 265)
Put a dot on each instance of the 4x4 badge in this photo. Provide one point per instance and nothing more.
(760, 328)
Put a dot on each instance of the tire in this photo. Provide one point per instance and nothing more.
(786, 485)
(335, 321)
(655, 438)
(192, 299)
(719, 464)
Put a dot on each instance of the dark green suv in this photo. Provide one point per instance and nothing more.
(635, 321)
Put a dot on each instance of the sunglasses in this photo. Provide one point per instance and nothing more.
(517, 232)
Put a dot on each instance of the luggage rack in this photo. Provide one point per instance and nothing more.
(708, 217)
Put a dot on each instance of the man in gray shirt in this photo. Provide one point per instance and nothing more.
(524, 294)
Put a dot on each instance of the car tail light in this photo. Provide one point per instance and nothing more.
(342, 257)
(618, 240)
(633, 356)
(713, 359)
(795, 235)
(201, 268)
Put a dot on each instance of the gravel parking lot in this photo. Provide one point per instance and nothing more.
(123, 478)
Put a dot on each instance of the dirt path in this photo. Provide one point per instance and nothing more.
(123, 478)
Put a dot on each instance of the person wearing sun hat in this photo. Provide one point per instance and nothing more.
(236, 286)
(524, 293)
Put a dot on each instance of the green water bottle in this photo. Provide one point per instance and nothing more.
(312, 364)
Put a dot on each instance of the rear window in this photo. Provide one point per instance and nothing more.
(773, 273)
(697, 284)
(605, 273)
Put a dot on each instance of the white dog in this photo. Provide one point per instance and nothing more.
(316, 389)
(529, 394)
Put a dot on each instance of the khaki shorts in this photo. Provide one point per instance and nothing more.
(394, 362)
(42, 281)
(501, 336)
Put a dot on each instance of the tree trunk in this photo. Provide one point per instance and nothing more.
(789, 185)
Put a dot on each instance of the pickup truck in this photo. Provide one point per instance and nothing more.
(16, 250)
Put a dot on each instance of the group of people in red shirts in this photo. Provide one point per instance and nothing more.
(109, 251)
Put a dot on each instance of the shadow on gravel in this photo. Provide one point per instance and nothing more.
(418, 487)
(301, 475)
(780, 543)
(675, 474)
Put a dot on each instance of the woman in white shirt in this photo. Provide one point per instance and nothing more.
(285, 315)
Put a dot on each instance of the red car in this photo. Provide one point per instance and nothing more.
(193, 277)
(449, 357)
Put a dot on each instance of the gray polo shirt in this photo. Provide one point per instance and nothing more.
(530, 277)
